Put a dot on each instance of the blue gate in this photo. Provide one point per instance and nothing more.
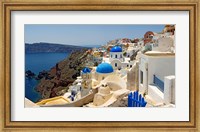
(136, 100)
(158, 83)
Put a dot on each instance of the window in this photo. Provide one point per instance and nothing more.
(115, 64)
(141, 77)
(115, 56)
(120, 56)
(127, 65)
(130, 66)
(111, 56)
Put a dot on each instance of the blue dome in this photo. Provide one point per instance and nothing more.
(86, 70)
(104, 68)
(116, 49)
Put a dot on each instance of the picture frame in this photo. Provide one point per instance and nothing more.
(119, 5)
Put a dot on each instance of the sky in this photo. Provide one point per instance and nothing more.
(85, 34)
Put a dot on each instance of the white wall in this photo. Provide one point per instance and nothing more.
(119, 64)
(100, 76)
(155, 94)
(143, 67)
(161, 67)
(119, 56)
(169, 90)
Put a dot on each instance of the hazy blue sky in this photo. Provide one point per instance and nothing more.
(84, 34)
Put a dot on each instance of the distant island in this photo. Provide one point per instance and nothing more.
(44, 47)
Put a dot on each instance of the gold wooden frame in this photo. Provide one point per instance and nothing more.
(158, 5)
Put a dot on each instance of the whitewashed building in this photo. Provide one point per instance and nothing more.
(117, 60)
(157, 76)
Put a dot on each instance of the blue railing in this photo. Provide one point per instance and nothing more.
(136, 100)
(159, 83)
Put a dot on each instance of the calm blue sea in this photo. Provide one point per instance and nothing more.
(37, 62)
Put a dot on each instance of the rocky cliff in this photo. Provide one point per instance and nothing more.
(62, 75)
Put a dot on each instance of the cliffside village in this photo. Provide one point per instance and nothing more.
(121, 66)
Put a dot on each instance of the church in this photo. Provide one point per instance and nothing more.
(117, 59)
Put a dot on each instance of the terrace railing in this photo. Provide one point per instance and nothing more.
(158, 83)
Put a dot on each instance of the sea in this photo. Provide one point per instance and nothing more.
(37, 62)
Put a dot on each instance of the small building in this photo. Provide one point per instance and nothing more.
(148, 36)
(169, 29)
(124, 41)
(97, 60)
(154, 69)
(86, 83)
(117, 60)
(136, 40)
(132, 50)
(116, 53)
(97, 57)
(86, 73)
(140, 43)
